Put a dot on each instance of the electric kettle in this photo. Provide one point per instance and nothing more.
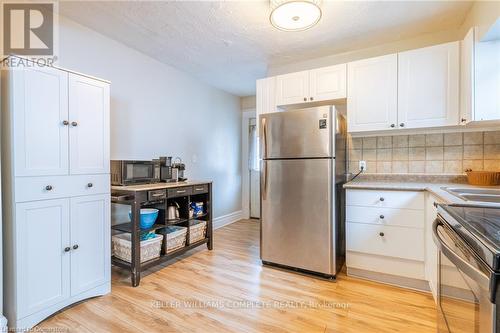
(173, 211)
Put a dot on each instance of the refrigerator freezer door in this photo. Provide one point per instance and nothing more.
(296, 201)
(304, 133)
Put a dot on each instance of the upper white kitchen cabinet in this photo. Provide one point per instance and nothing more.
(60, 123)
(89, 126)
(317, 85)
(40, 104)
(292, 88)
(467, 78)
(328, 83)
(428, 86)
(480, 77)
(265, 97)
(372, 87)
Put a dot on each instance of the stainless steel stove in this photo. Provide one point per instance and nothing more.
(468, 238)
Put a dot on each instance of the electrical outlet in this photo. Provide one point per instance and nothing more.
(362, 164)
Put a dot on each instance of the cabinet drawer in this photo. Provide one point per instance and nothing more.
(386, 216)
(157, 195)
(53, 187)
(90, 184)
(399, 242)
(389, 199)
(179, 191)
(197, 189)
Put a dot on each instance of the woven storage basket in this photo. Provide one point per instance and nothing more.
(122, 247)
(197, 231)
(176, 238)
(485, 178)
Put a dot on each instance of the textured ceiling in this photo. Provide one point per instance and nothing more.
(230, 44)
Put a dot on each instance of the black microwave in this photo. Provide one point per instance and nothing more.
(134, 172)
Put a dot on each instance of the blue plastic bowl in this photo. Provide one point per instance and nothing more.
(148, 217)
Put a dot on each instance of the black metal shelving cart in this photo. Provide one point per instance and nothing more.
(160, 196)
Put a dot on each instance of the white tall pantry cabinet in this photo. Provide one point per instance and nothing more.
(56, 191)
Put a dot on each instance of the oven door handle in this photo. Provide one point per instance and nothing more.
(475, 274)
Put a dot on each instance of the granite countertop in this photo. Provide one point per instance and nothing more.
(432, 184)
(158, 186)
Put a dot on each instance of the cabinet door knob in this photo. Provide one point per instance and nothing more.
(382, 217)
(74, 123)
(75, 246)
(90, 185)
(48, 188)
(311, 98)
(402, 125)
(393, 125)
(381, 234)
(305, 99)
(67, 249)
(65, 122)
(463, 120)
(382, 199)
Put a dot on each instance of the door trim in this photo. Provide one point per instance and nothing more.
(247, 114)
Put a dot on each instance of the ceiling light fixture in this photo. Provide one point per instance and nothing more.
(294, 15)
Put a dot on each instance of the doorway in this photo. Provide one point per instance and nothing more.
(253, 169)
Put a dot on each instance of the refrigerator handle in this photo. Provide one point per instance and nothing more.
(264, 180)
(263, 150)
(263, 143)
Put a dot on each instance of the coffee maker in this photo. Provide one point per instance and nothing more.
(166, 169)
(179, 167)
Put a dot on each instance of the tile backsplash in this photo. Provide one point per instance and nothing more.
(443, 153)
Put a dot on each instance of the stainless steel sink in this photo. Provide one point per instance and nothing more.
(475, 194)
(481, 197)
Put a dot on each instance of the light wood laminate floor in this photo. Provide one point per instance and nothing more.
(228, 290)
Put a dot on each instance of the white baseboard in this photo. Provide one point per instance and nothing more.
(224, 220)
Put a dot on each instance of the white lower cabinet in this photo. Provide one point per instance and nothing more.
(385, 240)
(431, 251)
(44, 267)
(385, 236)
(90, 242)
(63, 250)
(391, 241)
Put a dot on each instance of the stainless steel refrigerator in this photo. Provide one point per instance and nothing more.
(303, 168)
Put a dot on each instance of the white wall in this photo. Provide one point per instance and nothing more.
(248, 102)
(382, 49)
(482, 15)
(158, 110)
